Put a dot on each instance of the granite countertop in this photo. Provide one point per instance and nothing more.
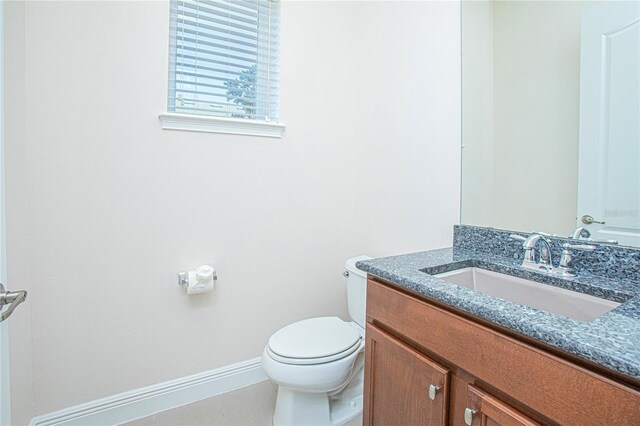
(612, 341)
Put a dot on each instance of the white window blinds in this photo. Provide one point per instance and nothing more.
(224, 58)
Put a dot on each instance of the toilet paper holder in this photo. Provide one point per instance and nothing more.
(183, 277)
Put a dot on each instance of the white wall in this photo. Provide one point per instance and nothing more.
(114, 206)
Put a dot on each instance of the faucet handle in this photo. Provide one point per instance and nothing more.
(568, 246)
(517, 237)
(566, 260)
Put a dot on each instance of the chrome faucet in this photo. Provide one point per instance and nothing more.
(545, 264)
(545, 261)
(580, 233)
(529, 244)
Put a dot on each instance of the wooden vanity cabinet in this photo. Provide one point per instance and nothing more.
(476, 370)
(405, 387)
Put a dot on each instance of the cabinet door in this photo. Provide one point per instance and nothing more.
(402, 386)
(485, 410)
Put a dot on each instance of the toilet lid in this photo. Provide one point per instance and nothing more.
(314, 338)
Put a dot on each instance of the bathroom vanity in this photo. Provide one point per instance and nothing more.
(526, 328)
(440, 353)
(432, 365)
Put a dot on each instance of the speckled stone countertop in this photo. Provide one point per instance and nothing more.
(612, 341)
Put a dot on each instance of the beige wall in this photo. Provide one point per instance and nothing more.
(477, 114)
(110, 206)
(536, 72)
(408, 144)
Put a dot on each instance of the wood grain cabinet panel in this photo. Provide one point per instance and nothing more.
(397, 384)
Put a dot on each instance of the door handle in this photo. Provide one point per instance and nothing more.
(588, 220)
(11, 298)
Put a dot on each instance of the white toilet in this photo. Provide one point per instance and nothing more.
(318, 363)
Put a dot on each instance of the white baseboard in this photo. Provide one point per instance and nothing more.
(138, 403)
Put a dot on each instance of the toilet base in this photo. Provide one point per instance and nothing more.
(294, 407)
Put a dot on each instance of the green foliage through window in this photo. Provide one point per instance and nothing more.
(242, 92)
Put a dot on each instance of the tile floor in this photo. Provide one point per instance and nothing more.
(252, 405)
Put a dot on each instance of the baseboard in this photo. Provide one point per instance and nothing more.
(138, 403)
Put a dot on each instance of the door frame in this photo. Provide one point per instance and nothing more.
(5, 397)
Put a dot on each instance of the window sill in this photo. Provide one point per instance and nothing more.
(233, 126)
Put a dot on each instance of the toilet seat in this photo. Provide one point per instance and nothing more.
(314, 341)
(313, 361)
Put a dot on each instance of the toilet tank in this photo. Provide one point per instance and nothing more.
(356, 290)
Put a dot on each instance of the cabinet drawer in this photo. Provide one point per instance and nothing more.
(485, 410)
(555, 388)
(402, 386)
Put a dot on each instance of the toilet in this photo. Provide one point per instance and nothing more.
(318, 363)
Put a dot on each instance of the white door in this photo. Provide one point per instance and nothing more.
(609, 168)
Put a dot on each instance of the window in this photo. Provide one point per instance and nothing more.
(223, 66)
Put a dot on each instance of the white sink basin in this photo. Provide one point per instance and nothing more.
(560, 301)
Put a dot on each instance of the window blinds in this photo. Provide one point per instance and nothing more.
(224, 58)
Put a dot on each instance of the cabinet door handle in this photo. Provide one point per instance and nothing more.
(433, 391)
(468, 415)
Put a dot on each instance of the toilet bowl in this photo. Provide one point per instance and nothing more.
(318, 363)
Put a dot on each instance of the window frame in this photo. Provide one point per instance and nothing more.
(212, 124)
(192, 121)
